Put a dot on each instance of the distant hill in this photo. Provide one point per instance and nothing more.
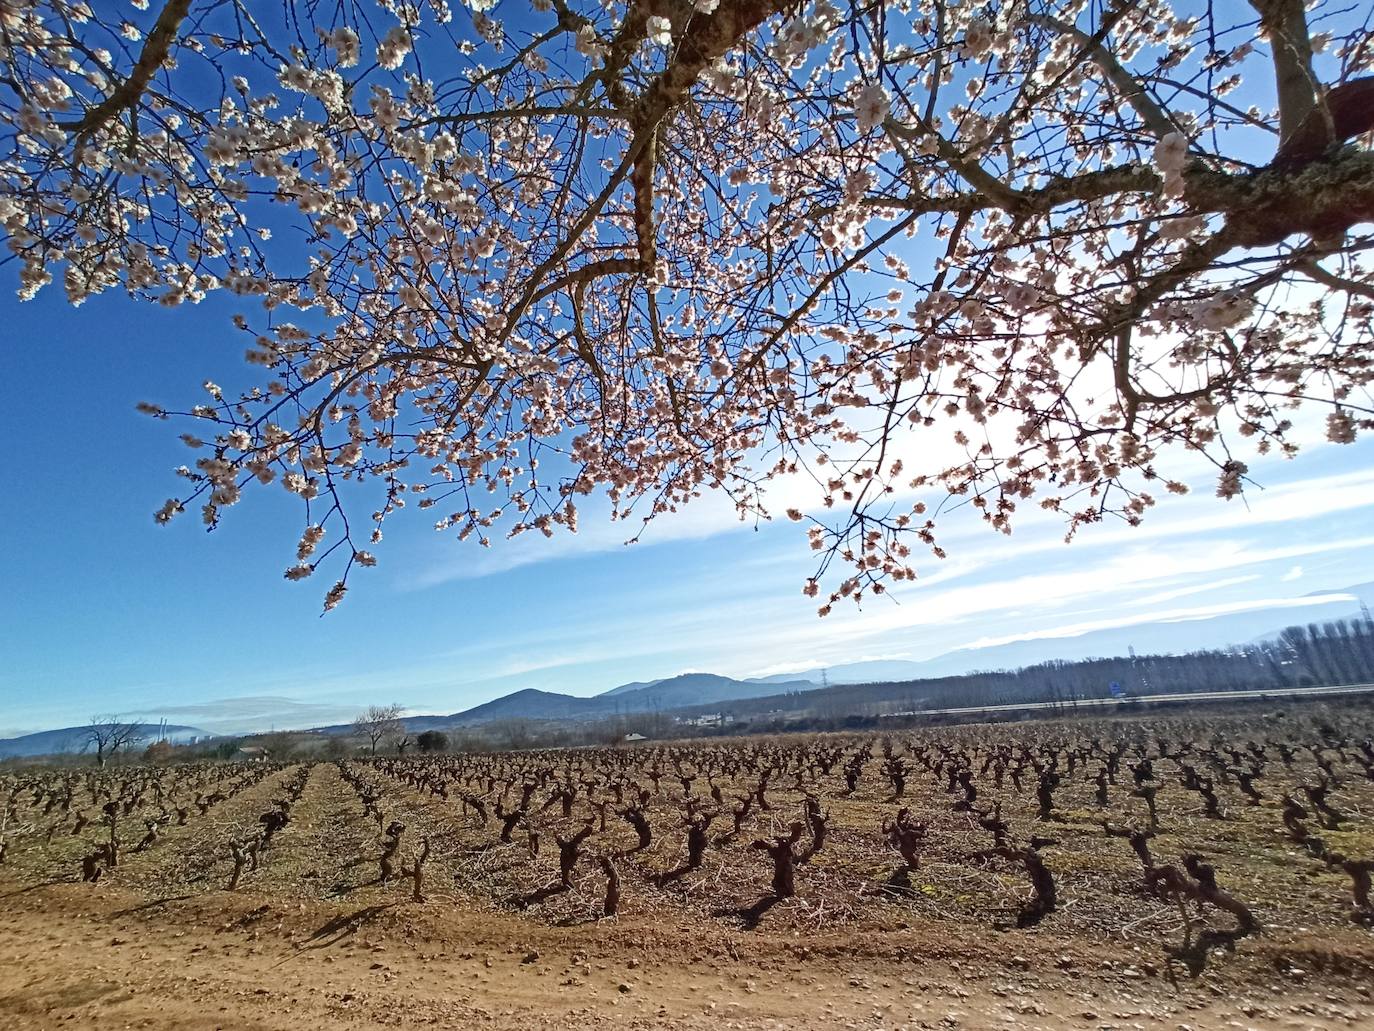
(71, 740)
(531, 704)
(1321, 657)
(625, 688)
(688, 689)
(657, 696)
(707, 689)
(877, 681)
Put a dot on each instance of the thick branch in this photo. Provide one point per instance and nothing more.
(978, 177)
(155, 50)
(1345, 111)
(1057, 191)
(1317, 274)
(1285, 23)
(1127, 84)
(706, 39)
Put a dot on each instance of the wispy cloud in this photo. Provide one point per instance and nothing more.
(735, 606)
(967, 540)
(1107, 582)
(705, 517)
(248, 705)
(950, 618)
(1169, 616)
(1159, 597)
(256, 712)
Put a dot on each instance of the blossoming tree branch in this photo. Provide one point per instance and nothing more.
(493, 259)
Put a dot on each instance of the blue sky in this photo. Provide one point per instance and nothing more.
(103, 611)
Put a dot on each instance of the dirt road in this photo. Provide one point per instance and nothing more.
(80, 956)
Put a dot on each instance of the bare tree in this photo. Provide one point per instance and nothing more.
(107, 734)
(378, 723)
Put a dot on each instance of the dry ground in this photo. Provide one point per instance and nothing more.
(312, 940)
(71, 956)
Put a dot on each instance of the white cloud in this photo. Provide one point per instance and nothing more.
(964, 537)
(705, 517)
(1202, 588)
(747, 617)
(1166, 616)
(1126, 578)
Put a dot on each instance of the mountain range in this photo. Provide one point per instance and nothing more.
(1152, 637)
(695, 690)
(678, 692)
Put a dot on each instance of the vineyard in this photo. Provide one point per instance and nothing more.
(1177, 853)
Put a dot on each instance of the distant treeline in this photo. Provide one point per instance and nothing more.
(1317, 655)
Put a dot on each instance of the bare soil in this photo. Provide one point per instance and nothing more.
(76, 956)
(311, 939)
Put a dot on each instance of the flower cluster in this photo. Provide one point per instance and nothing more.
(486, 269)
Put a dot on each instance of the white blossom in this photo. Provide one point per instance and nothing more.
(871, 106)
(1171, 153)
(659, 30)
